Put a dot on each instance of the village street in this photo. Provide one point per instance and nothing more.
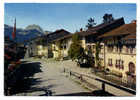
(50, 80)
(46, 77)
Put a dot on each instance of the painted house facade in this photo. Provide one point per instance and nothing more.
(37, 48)
(120, 51)
(117, 47)
(61, 44)
(43, 46)
(90, 38)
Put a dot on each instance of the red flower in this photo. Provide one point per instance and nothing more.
(8, 57)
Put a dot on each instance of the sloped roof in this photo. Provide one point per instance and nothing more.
(103, 25)
(64, 37)
(125, 29)
(131, 36)
(102, 28)
(85, 33)
(57, 35)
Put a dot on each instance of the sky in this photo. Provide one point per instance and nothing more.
(68, 16)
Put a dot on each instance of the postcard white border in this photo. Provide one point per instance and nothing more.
(2, 97)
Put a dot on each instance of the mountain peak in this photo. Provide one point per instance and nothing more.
(28, 33)
(34, 27)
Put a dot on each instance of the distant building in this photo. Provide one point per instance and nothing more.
(43, 46)
(61, 44)
(31, 49)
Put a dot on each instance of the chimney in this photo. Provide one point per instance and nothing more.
(133, 21)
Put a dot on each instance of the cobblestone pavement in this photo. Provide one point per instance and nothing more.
(51, 81)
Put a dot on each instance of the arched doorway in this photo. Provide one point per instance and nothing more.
(131, 76)
(131, 67)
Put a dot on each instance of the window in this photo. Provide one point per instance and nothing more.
(119, 64)
(126, 49)
(131, 50)
(116, 64)
(131, 67)
(110, 49)
(110, 62)
(120, 50)
(117, 49)
(102, 46)
(65, 46)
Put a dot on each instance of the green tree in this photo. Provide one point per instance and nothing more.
(97, 59)
(90, 57)
(107, 18)
(91, 23)
(76, 50)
